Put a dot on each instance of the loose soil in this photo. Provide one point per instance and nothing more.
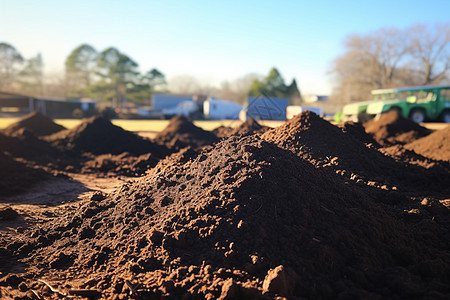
(16, 177)
(36, 123)
(435, 146)
(306, 210)
(392, 128)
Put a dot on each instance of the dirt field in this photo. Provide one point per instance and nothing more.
(306, 210)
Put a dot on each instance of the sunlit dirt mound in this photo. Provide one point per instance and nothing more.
(16, 177)
(326, 146)
(98, 135)
(434, 146)
(36, 123)
(181, 132)
(357, 131)
(223, 131)
(241, 219)
(391, 128)
(401, 153)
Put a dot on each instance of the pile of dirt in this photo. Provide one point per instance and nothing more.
(124, 164)
(326, 146)
(17, 177)
(357, 130)
(181, 133)
(245, 219)
(392, 128)
(435, 146)
(98, 135)
(36, 123)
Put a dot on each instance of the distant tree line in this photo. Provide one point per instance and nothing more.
(391, 57)
(18, 73)
(109, 75)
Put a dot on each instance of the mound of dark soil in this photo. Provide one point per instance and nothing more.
(98, 135)
(241, 219)
(392, 128)
(181, 133)
(16, 177)
(357, 130)
(36, 123)
(435, 146)
(326, 146)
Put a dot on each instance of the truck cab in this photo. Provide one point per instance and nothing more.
(421, 103)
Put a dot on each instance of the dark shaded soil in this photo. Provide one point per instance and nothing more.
(392, 128)
(181, 133)
(435, 146)
(36, 123)
(26, 145)
(119, 165)
(357, 130)
(16, 177)
(98, 135)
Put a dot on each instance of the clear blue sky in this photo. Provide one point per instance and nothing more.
(211, 40)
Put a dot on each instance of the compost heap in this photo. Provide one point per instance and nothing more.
(392, 128)
(435, 146)
(326, 146)
(36, 123)
(241, 219)
(181, 133)
(98, 135)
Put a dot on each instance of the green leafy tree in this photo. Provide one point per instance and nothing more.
(155, 79)
(10, 66)
(32, 76)
(273, 85)
(119, 72)
(81, 68)
(81, 65)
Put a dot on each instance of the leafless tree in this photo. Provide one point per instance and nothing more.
(430, 49)
(10, 65)
(237, 89)
(390, 57)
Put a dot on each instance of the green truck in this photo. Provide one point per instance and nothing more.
(420, 103)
